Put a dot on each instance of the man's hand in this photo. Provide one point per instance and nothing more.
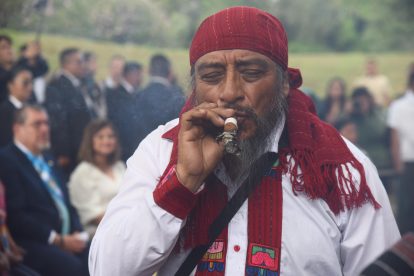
(198, 151)
(73, 243)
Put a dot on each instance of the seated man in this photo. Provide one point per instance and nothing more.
(40, 217)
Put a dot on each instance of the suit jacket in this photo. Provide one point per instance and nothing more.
(68, 115)
(3, 84)
(7, 110)
(31, 211)
(121, 108)
(158, 105)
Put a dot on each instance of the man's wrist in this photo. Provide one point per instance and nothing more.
(171, 195)
(190, 182)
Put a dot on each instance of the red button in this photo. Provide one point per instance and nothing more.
(236, 248)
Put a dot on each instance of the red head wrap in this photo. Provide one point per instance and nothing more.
(245, 28)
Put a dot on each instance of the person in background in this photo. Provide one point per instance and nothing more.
(19, 86)
(333, 106)
(11, 255)
(39, 214)
(95, 181)
(116, 68)
(92, 92)
(378, 85)
(7, 60)
(31, 57)
(123, 110)
(160, 101)
(400, 120)
(373, 134)
(68, 109)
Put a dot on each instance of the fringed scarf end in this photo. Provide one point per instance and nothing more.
(332, 182)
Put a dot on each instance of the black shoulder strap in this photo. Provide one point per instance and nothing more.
(260, 168)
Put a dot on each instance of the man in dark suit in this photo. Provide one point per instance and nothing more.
(69, 110)
(20, 85)
(40, 217)
(160, 102)
(122, 110)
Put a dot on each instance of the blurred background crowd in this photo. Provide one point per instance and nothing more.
(94, 126)
(70, 130)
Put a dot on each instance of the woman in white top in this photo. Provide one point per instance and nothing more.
(95, 181)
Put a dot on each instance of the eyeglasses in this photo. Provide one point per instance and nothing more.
(38, 124)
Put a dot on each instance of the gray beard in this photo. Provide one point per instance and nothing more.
(238, 167)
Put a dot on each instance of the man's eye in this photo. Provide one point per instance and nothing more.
(251, 75)
(212, 77)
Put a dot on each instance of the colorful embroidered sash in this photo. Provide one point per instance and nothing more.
(264, 232)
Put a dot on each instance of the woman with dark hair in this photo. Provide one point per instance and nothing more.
(96, 179)
(333, 107)
(19, 85)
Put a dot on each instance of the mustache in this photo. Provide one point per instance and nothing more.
(243, 111)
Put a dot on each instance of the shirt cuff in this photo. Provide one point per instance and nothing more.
(52, 237)
(174, 197)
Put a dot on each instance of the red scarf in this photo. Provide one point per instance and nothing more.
(319, 163)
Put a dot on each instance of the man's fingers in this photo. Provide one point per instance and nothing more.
(205, 113)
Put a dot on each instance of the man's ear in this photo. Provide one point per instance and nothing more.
(16, 128)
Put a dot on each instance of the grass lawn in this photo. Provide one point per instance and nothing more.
(317, 68)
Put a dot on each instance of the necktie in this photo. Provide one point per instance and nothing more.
(51, 186)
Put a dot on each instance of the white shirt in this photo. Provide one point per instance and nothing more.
(136, 236)
(378, 85)
(74, 80)
(91, 190)
(128, 87)
(110, 83)
(400, 116)
(39, 88)
(16, 102)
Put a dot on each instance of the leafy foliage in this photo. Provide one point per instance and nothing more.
(312, 25)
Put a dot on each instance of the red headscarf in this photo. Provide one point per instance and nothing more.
(316, 157)
(245, 28)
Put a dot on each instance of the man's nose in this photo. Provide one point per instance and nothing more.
(232, 90)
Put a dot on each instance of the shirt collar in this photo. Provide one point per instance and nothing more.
(23, 148)
(16, 102)
(109, 82)
(74, 80)
(128, 87)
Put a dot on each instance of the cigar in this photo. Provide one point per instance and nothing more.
(230, 124)
(229, 136)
